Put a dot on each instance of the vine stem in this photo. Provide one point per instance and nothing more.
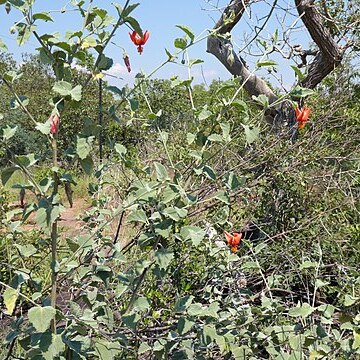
(54, 236)
(189, 87)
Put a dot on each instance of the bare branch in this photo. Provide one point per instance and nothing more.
(219, 44)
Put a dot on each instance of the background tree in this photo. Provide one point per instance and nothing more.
(333, 37)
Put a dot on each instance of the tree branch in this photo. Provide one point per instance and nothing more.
(219, 44)
(330, 53)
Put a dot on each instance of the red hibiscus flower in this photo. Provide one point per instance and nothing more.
(54, 123)
(302, 115)
(138, 40)
(233, 240)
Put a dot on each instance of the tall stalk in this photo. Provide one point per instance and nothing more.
(54, 236)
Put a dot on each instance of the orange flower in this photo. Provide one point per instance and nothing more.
(138, 40)
(233, 240)
(302, 116)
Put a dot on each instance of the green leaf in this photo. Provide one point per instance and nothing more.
(126, 12)
(11, 76)
(9, 132)
(141, 304)
(26, 250)
(164, 136)
(134, 24)
(301, 311)
(350, 300)
(241, 105)
(190, 138)
(161, 172)
(262, 99)
(300, 92)
(266, 63)
(131, 320)
(106, 350)
(116, 90)
(171, 57)
(7, 173)
(195, 61)
(10, 296)
(159, 346)
(209, 172)
(193, 233)
(137, 216)
(327, 310)
(87, 165)
(120, 149)
(134, 104)
(222, 196)
(26, 160)
(356, 343)
(307, 265)
(298, 72)
(84, 146)
(183, 303)
(204, 114)
(100, 12)
(208, 334)
(41, 217)
(51, 346)
(175, 213)
(187, 31)
(184, 325)
(319, 283)
(143, 348)
(105, 63)
(88, 42)
(40, 317)
(231, 181)
(44, 128)
(47, 213)
(225, 127)
(75, 93)
(43, 16)
(170, 193)
(24, 33)
(216, 138)
(17, 3)
(63, 88)
(180, 43)
(251, 133)
(163, 258)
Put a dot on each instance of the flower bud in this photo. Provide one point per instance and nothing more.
(54, 123)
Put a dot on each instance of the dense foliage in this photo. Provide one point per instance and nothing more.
(149, 274)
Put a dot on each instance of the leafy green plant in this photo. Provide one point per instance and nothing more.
(148, 273)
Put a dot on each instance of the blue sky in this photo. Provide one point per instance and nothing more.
(160, 17)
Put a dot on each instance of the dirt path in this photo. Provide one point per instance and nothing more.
(70, 222)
